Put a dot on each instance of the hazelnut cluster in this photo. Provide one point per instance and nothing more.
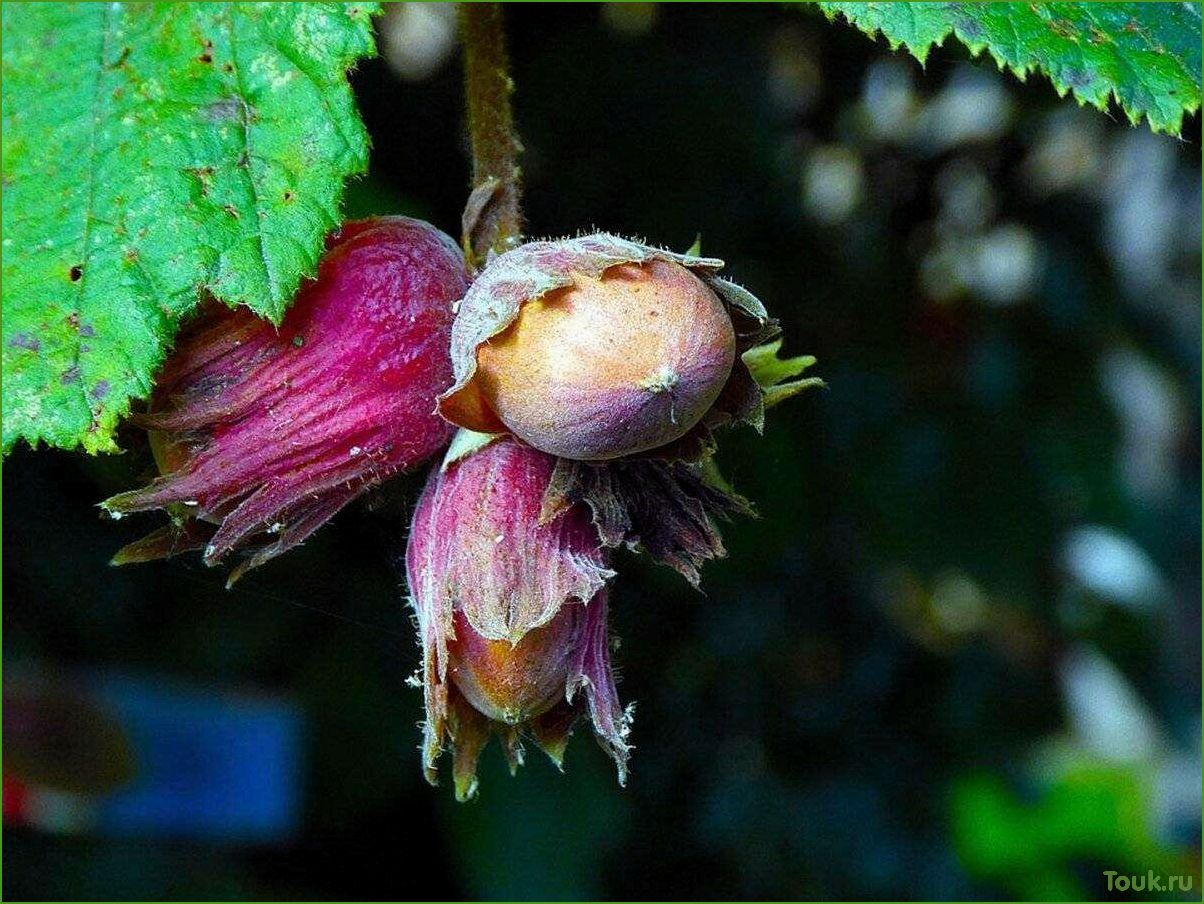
(586, 376)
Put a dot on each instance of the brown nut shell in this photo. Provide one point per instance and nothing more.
(610, 365)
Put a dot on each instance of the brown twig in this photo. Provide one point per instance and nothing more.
(492, 218)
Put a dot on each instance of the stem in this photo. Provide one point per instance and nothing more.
(492, 218)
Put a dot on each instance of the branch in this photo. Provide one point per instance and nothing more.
(492, 219)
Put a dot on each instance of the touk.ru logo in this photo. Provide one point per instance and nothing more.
(1149, 882)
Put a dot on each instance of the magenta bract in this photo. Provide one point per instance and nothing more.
(265, 432)
(511, 612)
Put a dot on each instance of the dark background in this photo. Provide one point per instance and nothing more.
(957, 656)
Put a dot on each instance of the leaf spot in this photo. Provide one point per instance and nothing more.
(228, 109)
(120, 61)
(969, 27)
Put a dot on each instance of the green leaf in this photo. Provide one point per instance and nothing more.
(152, 152)
(1147, 55)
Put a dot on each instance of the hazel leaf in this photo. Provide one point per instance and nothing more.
(153, 153)
(1146, 55)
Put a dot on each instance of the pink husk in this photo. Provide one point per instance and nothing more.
(547, 575)
(283, 427)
